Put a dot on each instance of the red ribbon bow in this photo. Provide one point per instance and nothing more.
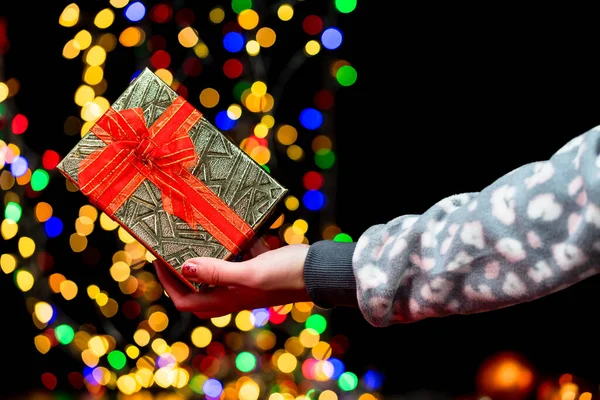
(163, 154)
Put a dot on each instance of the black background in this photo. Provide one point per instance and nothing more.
(448, 99)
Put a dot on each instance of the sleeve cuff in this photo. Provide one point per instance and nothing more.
(328, 274)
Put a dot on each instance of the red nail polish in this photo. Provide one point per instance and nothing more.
(188, 270)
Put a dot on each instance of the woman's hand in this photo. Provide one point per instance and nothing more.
(268, 278)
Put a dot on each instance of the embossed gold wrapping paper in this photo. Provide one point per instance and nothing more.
(240, 182)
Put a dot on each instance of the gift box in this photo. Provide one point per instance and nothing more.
(179, 186)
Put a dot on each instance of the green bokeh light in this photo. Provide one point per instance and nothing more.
(324, 158)
(240, 5)
(266, 168)
(245, 361)
(197, 383)
(13, 211)
(239, 88)
(316, 322)
(346, 75)
(345, 6)
(64, 334)
(348, 381)
(117, 359)
(39, 180)
(342, 237)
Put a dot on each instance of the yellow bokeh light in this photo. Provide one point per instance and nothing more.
(83, 95)
(96, 56)
(266, 340)
(126, 384)
(42, 343)
(180, 378)
(141, 337)
(24, 280)
(293, 346)
(120, 271)
(3, 91)
(209, 97)
(14, 86)
(125, 236)
(43, 311)
(8, 263)
(180, 351)
(287, 135)
(165, 75)
(261, 154)
(132, 36)
(266, 37)
(309, 337)
(93, 291)
(248, 19)
(70, 50)
(89, 358)
(101, 375)
(292, 203)
(249, 390)
(216, 15)
(302, 225)
(24, 179)
(107, 223)
(6, 179)
(70, 15)
(201, 50)
(89, 211)
(252, 47)
(312, 48)
(83, 39)
(287, 362)
(330, 395)
(254, 102)
(119, 3)
(84, 225)
(93, 75)
(8, 228)
(293, 235)
(110, 308)
(68, 289)
(259, 88)
(158, 321)
(26, 246)
(78, 243)
(159, 346)
(285, 12)
(101, 299)
(369, 396)
(321, 351)
(244, 320)
(278, 222)
(54, 282)
(98, 345)
(201, 336)
(108, 41)
(144, 377)
(188, 37)
(268, 121)
(104, 18)
(234, 111)
(91, 111)
(278, 396)
(321, 142)
(163, 377)
(132, 351)
(295, 152)
(221, 322)
(261, 130)
(43, 211)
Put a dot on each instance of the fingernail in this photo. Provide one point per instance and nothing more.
(189, 270)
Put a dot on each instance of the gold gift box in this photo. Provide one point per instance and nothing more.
(222, 166)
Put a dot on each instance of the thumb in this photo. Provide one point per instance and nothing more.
(217, 272)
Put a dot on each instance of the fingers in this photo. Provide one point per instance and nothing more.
(174, 287)
(213, 271)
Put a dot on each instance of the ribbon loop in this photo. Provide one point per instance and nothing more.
(161, 154)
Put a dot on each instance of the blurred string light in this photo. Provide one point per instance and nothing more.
(237, 356)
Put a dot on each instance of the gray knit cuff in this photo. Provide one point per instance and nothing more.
(328, 274)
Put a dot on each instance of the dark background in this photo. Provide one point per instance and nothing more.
(448, 99)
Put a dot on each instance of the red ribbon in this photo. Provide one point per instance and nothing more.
(163, 154)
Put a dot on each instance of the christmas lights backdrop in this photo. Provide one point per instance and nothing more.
(267, 74)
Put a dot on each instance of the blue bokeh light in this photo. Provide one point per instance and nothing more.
(212, 388)
(314, 200)
(233, 42)
(373, 380)
(311, 118)
(19, 166)
(261, 317)
(135, 11)
(331, 38)
(53, 227)
(53, 317)
(224, 122)
(338, 368)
